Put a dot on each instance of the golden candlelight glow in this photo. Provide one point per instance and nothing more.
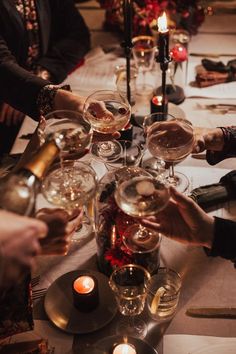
(124, 349)
(162, 23)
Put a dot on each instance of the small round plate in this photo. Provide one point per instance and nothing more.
(61, 311)
(108, 343)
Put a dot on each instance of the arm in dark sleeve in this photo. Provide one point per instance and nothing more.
(229, 150)
(18, 87)
(224, 243)
(69, 40)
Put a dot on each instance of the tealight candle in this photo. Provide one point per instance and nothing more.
(85, 293)
(124, 348)
(157, 104)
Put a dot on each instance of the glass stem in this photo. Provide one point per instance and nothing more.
(171, 171)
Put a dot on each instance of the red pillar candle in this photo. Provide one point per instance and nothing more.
(85, 293)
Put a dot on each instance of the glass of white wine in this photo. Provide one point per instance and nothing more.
(130, 284)
(71, 186)
(140, 197)
(76, 130)
(108, 112)
(172, 141)
(144, 49)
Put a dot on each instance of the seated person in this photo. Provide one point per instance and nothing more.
(46, 38)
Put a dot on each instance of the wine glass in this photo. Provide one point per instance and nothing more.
(129, 284)
(144, 50)
(172, 141)
(131, 156)
(140, 197)
(107, 111)
(77, 131)
(155, 165)
(71, 186)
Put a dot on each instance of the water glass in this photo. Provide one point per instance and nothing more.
(121, 81)
(163, 294)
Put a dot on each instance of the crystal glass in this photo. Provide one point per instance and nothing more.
(172, 141)
(163, 294)
(144, 50)
(141, 197)
(71, 186)
(121, 81)
(108, 112)
(131, 156)
(129, 284)
(77, 131)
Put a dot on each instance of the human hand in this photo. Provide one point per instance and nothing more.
(184, 221)
(61, 227)
(9, 115)
(19, 244)
(208, 139)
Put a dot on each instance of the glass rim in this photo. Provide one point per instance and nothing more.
(129, 265)
(63, 110)
(167, 270)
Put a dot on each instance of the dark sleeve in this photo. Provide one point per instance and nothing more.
(18, 87)
(224, 244)
(69, 40)
(229, 150)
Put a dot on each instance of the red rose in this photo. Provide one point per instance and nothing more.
(179, 53)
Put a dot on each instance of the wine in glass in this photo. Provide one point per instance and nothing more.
(129, 284)
(71, 186)
(108, 112)
(77, 132)
(172, 141)
(140, 197)
(144, 50)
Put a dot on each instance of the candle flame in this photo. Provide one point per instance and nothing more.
(162, 23)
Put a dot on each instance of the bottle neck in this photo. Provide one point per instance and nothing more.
(40, 162)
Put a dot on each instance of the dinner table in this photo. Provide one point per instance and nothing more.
(206, 281)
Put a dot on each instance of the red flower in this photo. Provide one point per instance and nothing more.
(179, 53)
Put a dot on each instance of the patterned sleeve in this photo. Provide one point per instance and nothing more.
(45, 100)
(229, 150)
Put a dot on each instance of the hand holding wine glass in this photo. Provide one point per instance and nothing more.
(173, 141)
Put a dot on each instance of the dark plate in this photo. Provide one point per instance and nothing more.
(61, 311)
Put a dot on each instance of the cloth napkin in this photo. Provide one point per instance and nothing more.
(212, 72)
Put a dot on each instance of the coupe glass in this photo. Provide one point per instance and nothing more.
(140, 197)
(71, 186)
(77, 131)
(144, 50)
(108, 112)
(129, 284)
(172, 141)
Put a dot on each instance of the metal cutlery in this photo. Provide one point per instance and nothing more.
(37, 294)
(35, 281)
(212, 312)
(221, 108)
(212, 55)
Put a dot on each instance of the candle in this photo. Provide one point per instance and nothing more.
(163, 39)
(157, 104)
(85, 293)
(124, 348)
(127, 11)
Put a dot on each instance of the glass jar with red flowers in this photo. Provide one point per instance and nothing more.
(111, 223)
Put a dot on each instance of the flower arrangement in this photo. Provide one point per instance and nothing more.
(186, 14)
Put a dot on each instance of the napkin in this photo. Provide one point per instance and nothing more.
(190, 344)
(213, 72)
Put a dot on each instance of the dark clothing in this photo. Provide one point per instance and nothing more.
(64, 40)
(224, 244)
(229, 150)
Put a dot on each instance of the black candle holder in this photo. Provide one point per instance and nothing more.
(164, 59)
(86, 302)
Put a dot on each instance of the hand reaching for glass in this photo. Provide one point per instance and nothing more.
(61, 227)
(183, 220)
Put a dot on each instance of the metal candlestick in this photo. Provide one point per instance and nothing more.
(164, 64)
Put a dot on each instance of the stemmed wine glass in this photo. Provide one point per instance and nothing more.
(172, 141)
(76, 130)
(129, 284)
(144, 50)
(113, 115)
(70, 186)
(140, 197)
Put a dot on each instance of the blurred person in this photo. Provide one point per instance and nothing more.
(47, 38)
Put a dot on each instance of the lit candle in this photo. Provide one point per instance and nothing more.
(163, 39)
(157, 104)
(84, 284)
(85, 293)
(124, 348)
